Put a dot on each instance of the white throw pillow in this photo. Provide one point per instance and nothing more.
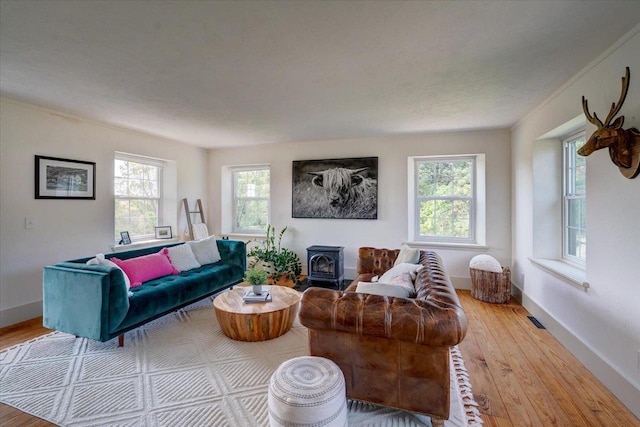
(182, 258)
(205, 250)
(101, 260)
(383, 289)
(407, 255)
(397, 270)
(404, 280)
(486, 263)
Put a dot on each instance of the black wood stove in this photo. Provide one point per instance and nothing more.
(326, 264)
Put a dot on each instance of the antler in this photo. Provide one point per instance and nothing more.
(593, 119)
(615, 108)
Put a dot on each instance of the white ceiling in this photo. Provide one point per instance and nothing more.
(218, 74)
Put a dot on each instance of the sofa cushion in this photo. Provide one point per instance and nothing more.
(388, 289)
(406, 281)
(407, 255)
(205, 250)
(397, 270)
(147, 267)
(182, 258)
(169, 293)
(398, 289)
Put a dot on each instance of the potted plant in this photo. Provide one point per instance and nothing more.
(283, 264)
(256, 277)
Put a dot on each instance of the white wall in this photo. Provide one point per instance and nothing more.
(601, 326)
(67, 229)
(390, 229)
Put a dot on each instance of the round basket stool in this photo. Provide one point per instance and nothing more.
(307, 391)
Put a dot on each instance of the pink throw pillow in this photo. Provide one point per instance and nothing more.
(147, 267)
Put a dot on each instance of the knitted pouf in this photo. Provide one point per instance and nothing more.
(307, 391)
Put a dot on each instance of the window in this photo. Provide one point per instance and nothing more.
(251, 186)
(138, 196)
(445, 201)
(574, 201)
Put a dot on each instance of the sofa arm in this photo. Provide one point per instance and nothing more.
(84, 300)
(421, 322)
(233, 252)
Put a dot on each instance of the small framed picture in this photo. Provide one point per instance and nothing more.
(126, 239)
(164, 232)
(57, 178)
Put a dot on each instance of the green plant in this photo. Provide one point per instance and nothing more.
(272, 256)
(256, 276)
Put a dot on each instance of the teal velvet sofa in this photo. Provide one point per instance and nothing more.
(92, 301)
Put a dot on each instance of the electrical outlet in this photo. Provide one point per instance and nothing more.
(521, 279)
(29, 223)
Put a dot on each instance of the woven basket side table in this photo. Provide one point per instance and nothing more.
(491, 287)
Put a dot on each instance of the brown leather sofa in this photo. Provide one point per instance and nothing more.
(393, 351)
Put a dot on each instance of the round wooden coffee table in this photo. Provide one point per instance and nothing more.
(256, 321)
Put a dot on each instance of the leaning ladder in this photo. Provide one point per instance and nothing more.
(198, 210)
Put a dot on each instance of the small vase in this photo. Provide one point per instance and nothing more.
(257, 289)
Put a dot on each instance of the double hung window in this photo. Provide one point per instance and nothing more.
(251, 196)
(574, 201)
(138, 196)
(445, 199)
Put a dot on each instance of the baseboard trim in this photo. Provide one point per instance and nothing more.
(460, 282)
(11, 316)
(624, 389)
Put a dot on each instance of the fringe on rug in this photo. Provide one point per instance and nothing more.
(464, 385)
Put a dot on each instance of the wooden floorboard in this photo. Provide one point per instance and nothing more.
(534, 377)
(521, 375)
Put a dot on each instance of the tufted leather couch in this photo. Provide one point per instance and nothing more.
(393, 351)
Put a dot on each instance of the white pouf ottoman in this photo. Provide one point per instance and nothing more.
(307, 391)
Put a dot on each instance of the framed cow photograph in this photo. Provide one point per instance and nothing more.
(335, 188)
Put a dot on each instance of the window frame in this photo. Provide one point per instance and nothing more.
(234, 170)
(148, 161)
(475, 234)
(569, 156)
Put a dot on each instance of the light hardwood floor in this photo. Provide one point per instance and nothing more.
(521, 375)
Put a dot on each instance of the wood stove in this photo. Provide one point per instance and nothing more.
(326, 264)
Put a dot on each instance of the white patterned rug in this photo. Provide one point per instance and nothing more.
(179, 370)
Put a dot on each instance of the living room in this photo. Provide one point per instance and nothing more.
(593, 313)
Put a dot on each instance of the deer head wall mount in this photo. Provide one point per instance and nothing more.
(624, 145)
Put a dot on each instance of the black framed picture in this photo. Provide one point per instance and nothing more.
(57, 178)
(126, 239)
(164, 232)
(335, 188)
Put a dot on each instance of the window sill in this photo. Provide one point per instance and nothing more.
(448, 245)
(144, 244)
(243, 235)
(566, 272)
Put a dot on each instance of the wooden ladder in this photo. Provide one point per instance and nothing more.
(189, 212)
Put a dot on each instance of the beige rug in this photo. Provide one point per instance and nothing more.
(179, 370)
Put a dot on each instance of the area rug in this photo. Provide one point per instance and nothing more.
(179, 370)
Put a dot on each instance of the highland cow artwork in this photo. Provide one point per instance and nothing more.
(335, 188)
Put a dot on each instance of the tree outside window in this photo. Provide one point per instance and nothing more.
(251, 192)
(137, 188)
(445, 199)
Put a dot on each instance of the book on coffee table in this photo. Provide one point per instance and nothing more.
(249, 296)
